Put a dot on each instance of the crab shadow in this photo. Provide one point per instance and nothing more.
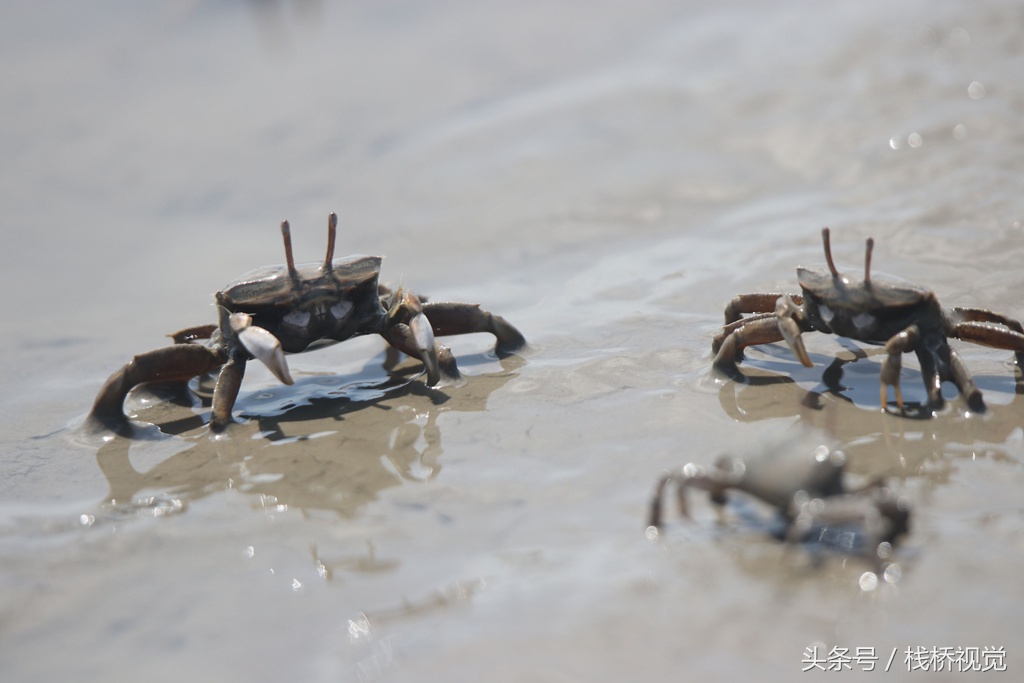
(334, 451)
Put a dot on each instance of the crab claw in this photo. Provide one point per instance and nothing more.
(264, 346)
(785, 311)
(423, 334)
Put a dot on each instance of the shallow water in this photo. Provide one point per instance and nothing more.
(604, 176)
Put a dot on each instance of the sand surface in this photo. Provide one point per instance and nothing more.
(606, 176)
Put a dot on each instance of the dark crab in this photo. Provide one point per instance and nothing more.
(285, 309)
(808, 492)
(877, 309)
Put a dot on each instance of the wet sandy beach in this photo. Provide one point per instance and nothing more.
(606, 176)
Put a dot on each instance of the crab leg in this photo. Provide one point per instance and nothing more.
(178, 363)
(755, 303)
(684, 479)
(899, 344)
(992, 333)
(716, 342)
(456, 318)
(760, 331)
(226, 392)
(962, 379)
(959, 315)
(190, 334)
(654, 516)
(681, 481)
(937, 365)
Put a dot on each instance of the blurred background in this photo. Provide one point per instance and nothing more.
(605, 175)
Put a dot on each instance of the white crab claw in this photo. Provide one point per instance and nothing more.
(790, 330)
(791, 333)
(424, 337)
(264, 346)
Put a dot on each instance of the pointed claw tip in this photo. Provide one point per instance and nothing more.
(266, 348)
(423, 335)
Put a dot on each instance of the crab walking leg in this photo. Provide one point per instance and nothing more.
(984, 315)
(178, 363)
(716, 342)
(681, 482)
(761, 331)
(654, 517)
(990, 333)
(962, 379)
(899, 344)
(755, 303)
(224, 396)
(457, 318)
(190, 334)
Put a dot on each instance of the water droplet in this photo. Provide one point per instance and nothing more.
(975, 90)
(959, 38)
(959, 132)
(868, 581)
(358, 628)
(892, 573)
(915, 140)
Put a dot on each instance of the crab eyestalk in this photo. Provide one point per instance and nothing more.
(332, 231)
(868, 249)
(828, 253)
(286, 233)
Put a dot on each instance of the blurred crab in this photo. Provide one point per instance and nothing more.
(286, 309)
(808, 493)
(877, 309)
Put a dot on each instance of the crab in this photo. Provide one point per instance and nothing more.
(286, 309)
(807, 491)
(877, 309)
